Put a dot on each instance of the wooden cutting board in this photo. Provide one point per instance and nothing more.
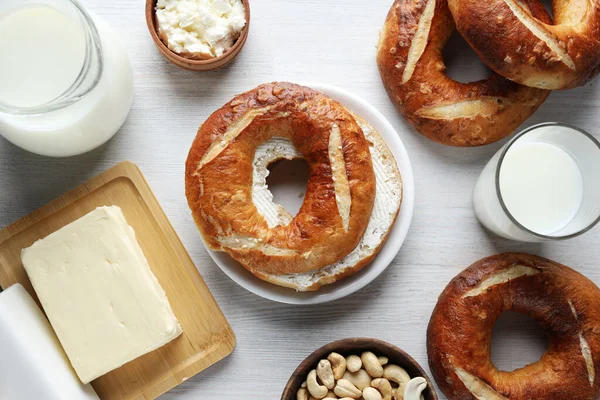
(207, 337)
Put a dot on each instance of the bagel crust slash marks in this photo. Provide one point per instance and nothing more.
(339, 196)
(566, 305)
(518, 39)
(412, 69)
(388, 198)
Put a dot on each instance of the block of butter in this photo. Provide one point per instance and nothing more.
(96, 287)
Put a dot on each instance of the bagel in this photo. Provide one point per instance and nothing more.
(388, 198)
(518, 39)
(227, 163)
(412, 69)
(566, 305)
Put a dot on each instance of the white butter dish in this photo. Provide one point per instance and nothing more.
(32, 362)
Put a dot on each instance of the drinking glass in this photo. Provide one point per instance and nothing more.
(489, 198)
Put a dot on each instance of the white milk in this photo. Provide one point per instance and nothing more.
(547, 179)
(541, 186)
(42, 50)
(42, 53)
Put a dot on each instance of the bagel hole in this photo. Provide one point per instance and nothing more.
(462, 64)
(548, 5)
(287, 181)
(517, 340)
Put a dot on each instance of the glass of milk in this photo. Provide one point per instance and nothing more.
(542, 185)
(66, 82)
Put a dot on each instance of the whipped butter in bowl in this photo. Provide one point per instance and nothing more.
(198, 34)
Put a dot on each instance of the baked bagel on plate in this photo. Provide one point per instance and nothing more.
(352, 197)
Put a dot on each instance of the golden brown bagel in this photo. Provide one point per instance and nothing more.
(453, 113)
(517, 39)
(566, 305)
(388, 198)
(339, 195)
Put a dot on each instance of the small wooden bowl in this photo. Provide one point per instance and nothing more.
(187, 63)
(356, 346)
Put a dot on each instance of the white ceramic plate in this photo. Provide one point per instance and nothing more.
(388, 251)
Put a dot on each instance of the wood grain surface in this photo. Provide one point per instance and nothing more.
(206, 337)
(332, 41)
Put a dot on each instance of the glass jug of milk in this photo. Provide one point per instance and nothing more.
(542, 185)
(66, 83)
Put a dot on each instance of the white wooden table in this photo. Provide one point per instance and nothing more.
(332, 41)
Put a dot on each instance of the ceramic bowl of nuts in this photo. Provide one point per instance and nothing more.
(359, 369)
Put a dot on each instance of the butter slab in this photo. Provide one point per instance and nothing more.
(96, 287)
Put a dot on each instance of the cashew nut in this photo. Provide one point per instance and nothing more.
(345, 388)
(325, 374)
(302, 394)
(414, 388)
(317, 391)
(384, 386)
(396, 374)
(383, 360)
(330, 395)
(371, 394)
(361, 379)
(303, 384)
(338, 365)
(371, 364)
(353, 363)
